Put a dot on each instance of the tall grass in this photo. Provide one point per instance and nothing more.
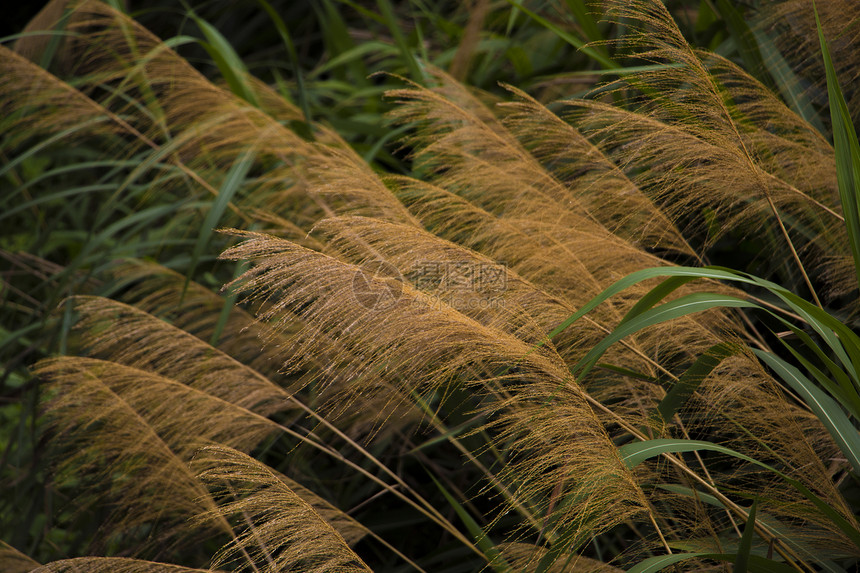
(423, 358)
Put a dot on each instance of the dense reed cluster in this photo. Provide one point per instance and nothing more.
(391, 350)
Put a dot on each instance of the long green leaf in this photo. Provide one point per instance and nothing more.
(229, 303)
(788, 83)
(655, 295)
(635, 453)
(847, 151)
(842, 390)
(744, 41)
(683, 306)
(232, 183)
(827, 410)
(577, 43)
(225, 57)
(354, 54)
(639, 276)
(284, 33)
(494, 556)
(788, 535)
(585, 18)
(396, 29)
(653, 564)
(843, 381)
(687, 384)
(755, 563)
(743, 558)
(842, 340)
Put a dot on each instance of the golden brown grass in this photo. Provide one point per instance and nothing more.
(162, 401)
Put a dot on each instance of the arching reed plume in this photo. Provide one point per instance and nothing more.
(287, 534)
(136, 424)
(376, 317)
(14, 561)
(421, 342)
(708, 136)
(114, 564)
(184, 120)
(251, 349)
(495, 187)
(110, 424)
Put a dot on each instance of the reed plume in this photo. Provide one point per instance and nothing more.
(375, 316)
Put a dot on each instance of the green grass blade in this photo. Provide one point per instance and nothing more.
(629, 70)
(396, 29)
(635, 453)
(843, 391)
(586, 20)
(354, 54)
(745, 42)
(284, 33)
(72, 192)
(229, 63)
(513, 16)
(487, 547)
(565, 539)
(683, 306)
(787, 534)
(655, 295)
(837, 373)
(577, 43)
(827, 410)
(18, 336)
(787, 82)
(847, 152)
(743, 556)
(635, 278)
(335, 31)
(55, 39)
(33, 151)
(229, 303)
(687, 384)
(841, 339)
(755, 563)
(843, 524)
(103, 240)
(653, 564)
(232, 183)
(627, 372)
